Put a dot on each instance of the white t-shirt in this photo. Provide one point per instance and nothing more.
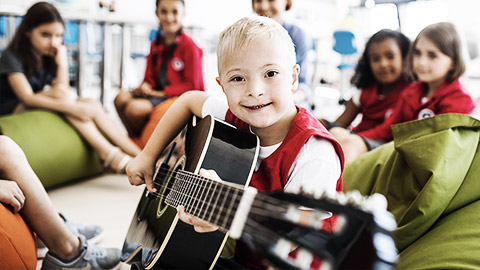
(316, 168)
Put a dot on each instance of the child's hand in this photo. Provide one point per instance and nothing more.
(144, 90)
(140, 171)
(198, 224)
(10, 193)
(59, 53)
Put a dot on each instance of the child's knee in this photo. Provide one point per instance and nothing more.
(122, 98)
(135, 109)
(8, 148)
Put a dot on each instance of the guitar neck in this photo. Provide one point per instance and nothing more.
(213, 201)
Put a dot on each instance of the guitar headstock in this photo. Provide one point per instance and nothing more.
(358, 235)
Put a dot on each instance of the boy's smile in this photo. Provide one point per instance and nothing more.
(258, 81)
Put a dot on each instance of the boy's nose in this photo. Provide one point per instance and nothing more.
(255, 89)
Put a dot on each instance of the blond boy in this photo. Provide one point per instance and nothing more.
(258, 74)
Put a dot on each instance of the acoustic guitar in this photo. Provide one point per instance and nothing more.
(157, 239)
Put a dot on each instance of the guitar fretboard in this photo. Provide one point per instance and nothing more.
(213, 201)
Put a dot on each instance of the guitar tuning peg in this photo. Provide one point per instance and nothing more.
(341, 198)
(340, 224)
(304, 259)
(355, 198)
(293, 214)
(283, 248)
(376, 202)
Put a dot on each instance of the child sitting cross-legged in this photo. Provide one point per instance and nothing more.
(258, 75)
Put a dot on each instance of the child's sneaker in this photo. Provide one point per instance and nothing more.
(93, 234)
(90, 257)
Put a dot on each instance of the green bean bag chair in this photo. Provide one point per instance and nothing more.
(430, 175)
(54, 149)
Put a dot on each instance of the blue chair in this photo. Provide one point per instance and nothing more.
(344, 45)
(3, 26)
(71, 33)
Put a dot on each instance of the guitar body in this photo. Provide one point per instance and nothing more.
(156, 237)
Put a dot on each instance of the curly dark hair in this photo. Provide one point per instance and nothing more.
(363, 75)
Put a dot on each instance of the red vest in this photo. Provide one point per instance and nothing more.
(273, 172)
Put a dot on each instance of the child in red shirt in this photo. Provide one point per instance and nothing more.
(380, 77)
(258, 74)
(174, 66)
(435, 60)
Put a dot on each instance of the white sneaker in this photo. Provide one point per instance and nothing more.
(90, 257)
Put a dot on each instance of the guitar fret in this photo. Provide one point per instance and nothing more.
(170, 199)
(219, 207)
(201, 197)
(196, 199)
(214, 204)
(182, 190)
(228, 215)
(189, 190)
(207, 199)
(194, 194)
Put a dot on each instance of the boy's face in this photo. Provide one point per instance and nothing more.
(258, 81)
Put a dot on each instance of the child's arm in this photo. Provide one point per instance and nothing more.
(349, 114)
(62, 80)
(11, 194)
(45, 99)
(140, 170)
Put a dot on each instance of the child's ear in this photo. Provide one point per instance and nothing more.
(219, 83)
(295, 72)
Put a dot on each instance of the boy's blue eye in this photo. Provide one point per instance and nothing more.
(271, 74)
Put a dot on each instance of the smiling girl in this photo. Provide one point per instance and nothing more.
(435, 61)
(381, 77)
(174, 66)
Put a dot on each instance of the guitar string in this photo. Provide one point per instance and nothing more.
(162, 173)
(193, 199)
(268, 200)
(267, 205)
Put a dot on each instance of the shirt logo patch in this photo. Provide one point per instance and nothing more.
(388, 113)
(425, 113)
(177, 64)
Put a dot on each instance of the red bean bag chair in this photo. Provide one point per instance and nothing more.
(155, 117)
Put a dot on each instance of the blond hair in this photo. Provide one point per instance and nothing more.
(239, 35)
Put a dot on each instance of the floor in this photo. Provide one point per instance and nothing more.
(107, 200)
